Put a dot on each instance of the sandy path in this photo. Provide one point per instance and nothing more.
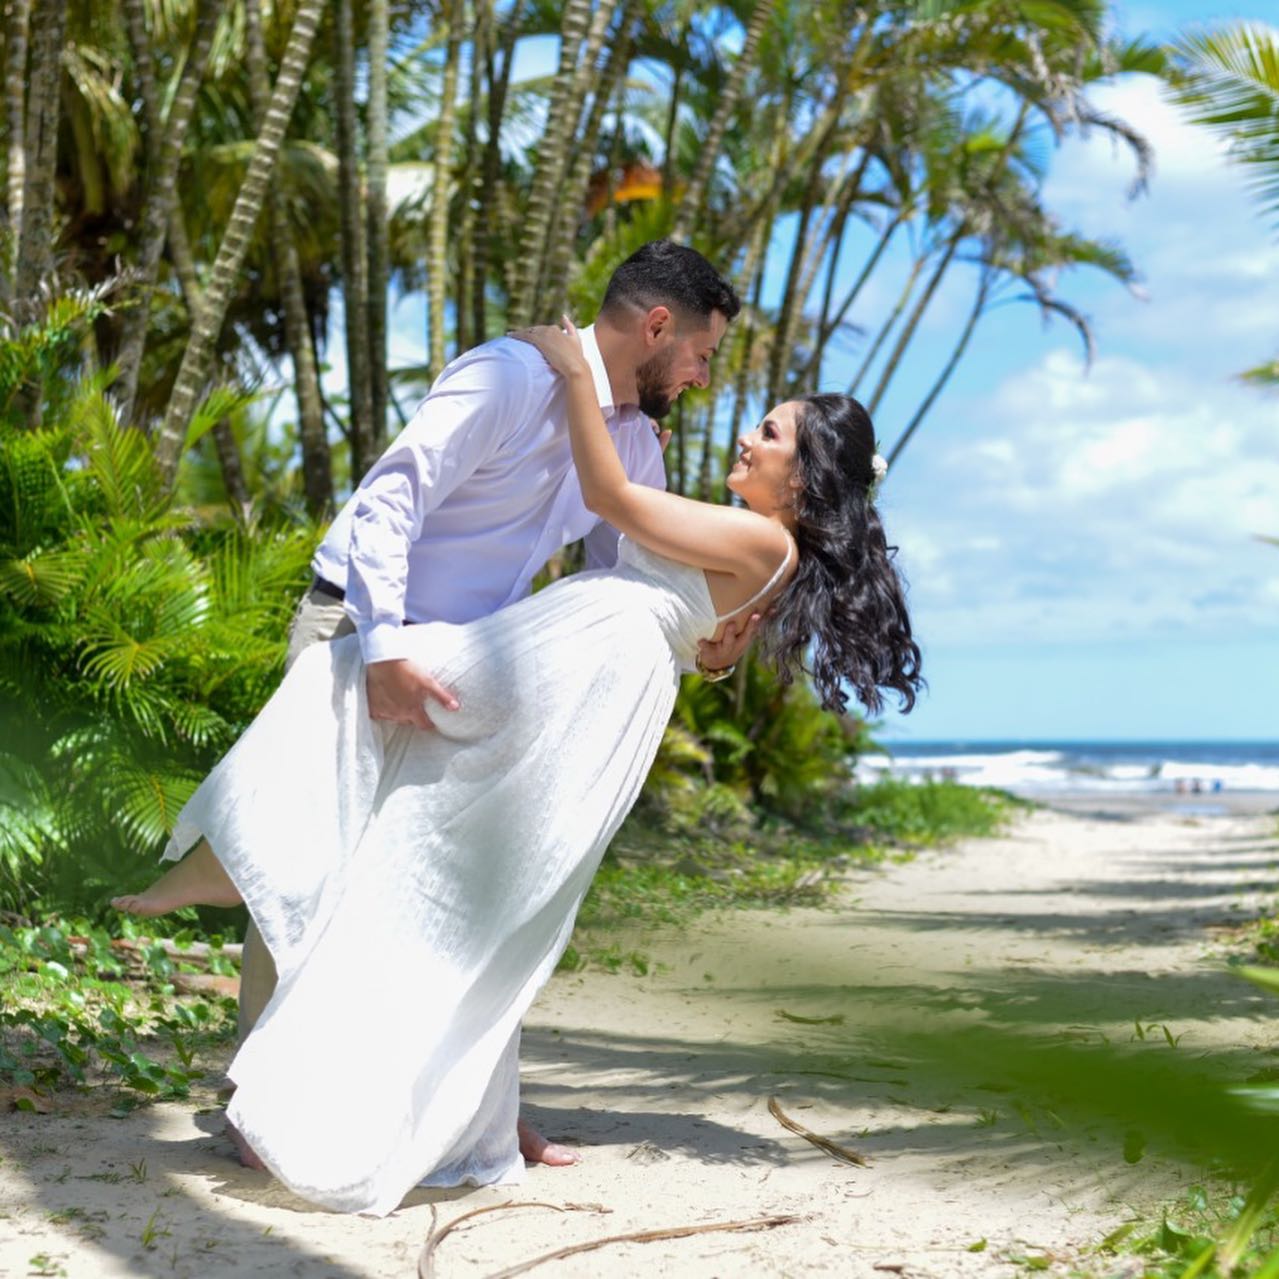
(664, 1080)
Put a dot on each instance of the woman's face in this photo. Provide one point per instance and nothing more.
(762, 474)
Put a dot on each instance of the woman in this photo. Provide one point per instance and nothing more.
(428, 881)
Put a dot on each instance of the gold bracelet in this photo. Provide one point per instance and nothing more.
(710, 676)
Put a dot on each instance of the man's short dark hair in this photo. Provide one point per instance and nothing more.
(663, 273)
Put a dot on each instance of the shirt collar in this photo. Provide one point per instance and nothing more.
(603, 387)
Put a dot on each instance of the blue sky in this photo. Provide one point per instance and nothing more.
(1081, 542)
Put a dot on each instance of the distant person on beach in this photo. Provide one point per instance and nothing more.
(463, 854)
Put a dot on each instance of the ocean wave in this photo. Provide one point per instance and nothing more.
(1046, 771)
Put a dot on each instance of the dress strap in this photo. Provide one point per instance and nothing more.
(768, 586)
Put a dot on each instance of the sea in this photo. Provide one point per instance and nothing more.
(1045, 768)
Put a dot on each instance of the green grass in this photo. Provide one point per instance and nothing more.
(931, 813)
(83, 1014)
(77, 1012)
(664, 869)
(1209, 1233)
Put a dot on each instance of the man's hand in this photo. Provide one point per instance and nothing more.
(728, 650)
(397, 691)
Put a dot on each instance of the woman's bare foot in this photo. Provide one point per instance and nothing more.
(248, 1156)
(197, 880)
(537, 1150)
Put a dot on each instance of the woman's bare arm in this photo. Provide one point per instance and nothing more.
(721, 538)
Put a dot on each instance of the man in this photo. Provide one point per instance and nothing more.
(478, 491)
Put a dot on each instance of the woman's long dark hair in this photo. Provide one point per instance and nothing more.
(843, 617)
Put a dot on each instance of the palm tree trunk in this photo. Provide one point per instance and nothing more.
(227, 446)
(438, 230)
(35, 245)
(979, 306)
(815, 139)
(614, 164)
(162, 194)
(792, 297)
(16, 19)
(757, 260)
(464, 308)
(695, 193)
(550, 164)
(317, 463)
(829, 324)
(586, 84)
(912, 323)
(826, 220)
(887, 327)
(576, 184)
(198, 357)
(144, 74)
(835, 213)
(681, 443)
(355, 248)
(183, 259)
(672, 114)
(498, 83)
(228, 450)
(751, 280)
(379, 231)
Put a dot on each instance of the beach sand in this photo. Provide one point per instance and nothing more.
(1122, 911)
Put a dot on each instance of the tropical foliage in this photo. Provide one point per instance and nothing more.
(192, 188)
(135, 642)
(1228, 81)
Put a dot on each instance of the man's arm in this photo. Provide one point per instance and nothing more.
(460, 424)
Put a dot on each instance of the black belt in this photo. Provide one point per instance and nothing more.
(327, 588)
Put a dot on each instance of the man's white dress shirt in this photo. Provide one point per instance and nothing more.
(475, 495)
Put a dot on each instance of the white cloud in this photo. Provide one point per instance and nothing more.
(1118, 504)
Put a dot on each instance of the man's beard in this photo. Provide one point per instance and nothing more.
(652, 383)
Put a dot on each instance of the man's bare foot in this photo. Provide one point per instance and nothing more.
(197, 880)
(537, 1150)
(248, 1156)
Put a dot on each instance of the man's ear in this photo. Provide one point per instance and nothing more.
(659, 320)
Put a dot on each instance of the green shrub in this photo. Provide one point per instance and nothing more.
(135, 643)
(926, 813)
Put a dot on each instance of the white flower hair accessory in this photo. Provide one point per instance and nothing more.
(879, 467)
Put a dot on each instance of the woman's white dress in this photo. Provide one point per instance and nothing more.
(416, 889)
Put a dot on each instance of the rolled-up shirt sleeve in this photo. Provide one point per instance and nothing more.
(470, 411)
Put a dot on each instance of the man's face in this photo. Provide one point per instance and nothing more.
(682, 359)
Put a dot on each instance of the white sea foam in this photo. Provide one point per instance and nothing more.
(1038, 771)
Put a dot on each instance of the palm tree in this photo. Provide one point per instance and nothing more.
(378, 232)
(1025, 254)
(16, 17)
(551, 160)
(198, 357)
(355, 248)
(576, 185)
(317, 472)
(1228, 81)
(437, 244)
(708, 153)
(165, 134)
(40, 148)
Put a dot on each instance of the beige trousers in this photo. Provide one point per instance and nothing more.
(318, 618)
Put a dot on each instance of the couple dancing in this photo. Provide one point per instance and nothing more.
(416, 814)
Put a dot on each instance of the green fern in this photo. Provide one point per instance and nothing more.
(136, 642)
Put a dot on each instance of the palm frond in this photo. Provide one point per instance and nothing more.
(1266, 375)
(1228, 81)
